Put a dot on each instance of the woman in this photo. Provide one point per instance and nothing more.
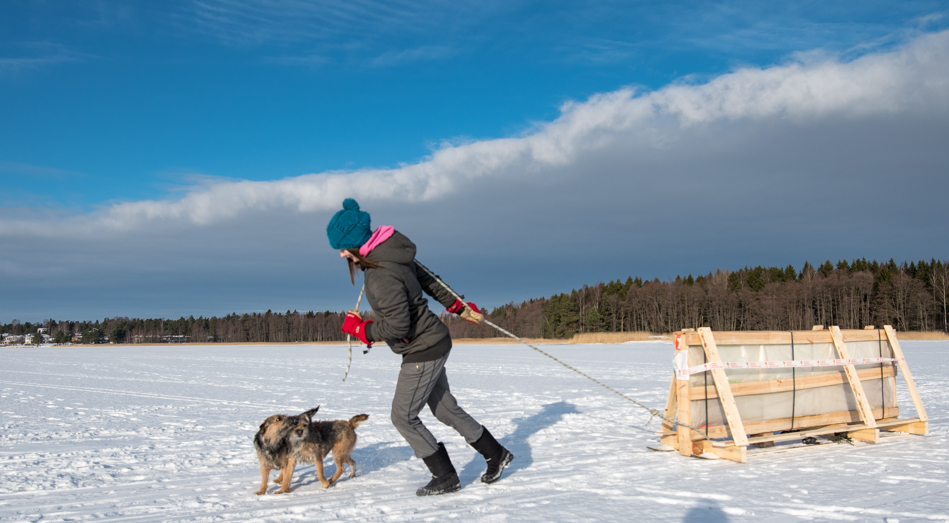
(394, 286)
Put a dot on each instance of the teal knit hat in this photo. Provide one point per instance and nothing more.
(349, 228)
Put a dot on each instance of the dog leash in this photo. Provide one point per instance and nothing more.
(349, 339)
(654, 413)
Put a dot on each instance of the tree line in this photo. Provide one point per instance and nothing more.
(268, 327)
(910, 296)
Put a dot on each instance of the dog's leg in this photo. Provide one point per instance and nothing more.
(287, 476)
(279, 479)
(352, 467)
(340, 463)
(264, 476)
(319, 472)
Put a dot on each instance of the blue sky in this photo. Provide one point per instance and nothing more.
(178, 158)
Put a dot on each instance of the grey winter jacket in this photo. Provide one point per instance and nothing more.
(402, 317)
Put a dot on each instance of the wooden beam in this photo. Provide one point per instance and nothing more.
(817, 328)
(910, 425)
(757, 337)
(863, 406)
(732, 415)
(787, 436)
(777, 337)
(684, 417)
(731, 453)
(752, 388)
(800, 422)
(916, 427)
(869, 435)
(907, 375)
(889, 425)
(670, 413)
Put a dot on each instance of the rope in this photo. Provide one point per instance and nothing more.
(349, 339)
(654, 413)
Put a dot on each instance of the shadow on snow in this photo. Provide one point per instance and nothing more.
(516, 441)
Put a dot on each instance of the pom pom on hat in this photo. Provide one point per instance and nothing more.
(349, 228)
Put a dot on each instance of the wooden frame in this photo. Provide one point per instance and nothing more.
(730, 440)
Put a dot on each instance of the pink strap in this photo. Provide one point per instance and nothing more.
(382, 234)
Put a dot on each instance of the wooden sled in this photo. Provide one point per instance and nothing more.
(758, 395)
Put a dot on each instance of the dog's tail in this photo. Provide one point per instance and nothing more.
(356, 420)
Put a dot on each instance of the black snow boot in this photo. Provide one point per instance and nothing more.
(497, 456)
(444, 477)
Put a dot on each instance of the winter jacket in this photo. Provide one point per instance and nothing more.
(402, 317)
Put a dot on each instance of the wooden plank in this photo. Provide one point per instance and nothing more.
(731, 453)
(911, 425)
(863, 406)
(787, 436)
(758, 337)
(869, 435)
(670, 413)
(817, 328)
(869, 328)
(684, 416)
(671, 405)
(776, 337)
(907, 375)
(800, 422)
(916, 427)
(784, 385)
(724, 389)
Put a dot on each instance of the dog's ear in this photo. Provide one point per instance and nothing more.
(309, 414)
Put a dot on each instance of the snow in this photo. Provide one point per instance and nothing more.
(165, 434)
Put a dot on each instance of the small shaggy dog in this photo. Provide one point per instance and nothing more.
(311, 441)
(273, 448)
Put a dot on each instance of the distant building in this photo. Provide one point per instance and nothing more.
(10, 339)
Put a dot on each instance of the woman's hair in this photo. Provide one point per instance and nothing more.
(363, 262)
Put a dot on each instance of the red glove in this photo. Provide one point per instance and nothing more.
(456, 307)
(354, 326)
(470, 313)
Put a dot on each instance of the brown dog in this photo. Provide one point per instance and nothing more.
(273, 448)
(312, 440)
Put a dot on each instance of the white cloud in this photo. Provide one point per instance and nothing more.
(911, 79)
(417, 54)
(39, 54)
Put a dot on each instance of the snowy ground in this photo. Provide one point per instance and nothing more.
(165, 434)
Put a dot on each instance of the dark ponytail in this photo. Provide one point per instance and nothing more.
(363, 263)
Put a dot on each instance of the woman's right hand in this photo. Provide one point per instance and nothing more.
(354, 326)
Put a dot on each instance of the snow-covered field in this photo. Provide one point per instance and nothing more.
(165, 434)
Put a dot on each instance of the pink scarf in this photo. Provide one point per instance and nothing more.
(382, 234)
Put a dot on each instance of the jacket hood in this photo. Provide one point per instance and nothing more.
(398, 249)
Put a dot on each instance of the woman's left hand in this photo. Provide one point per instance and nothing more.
(468, 311)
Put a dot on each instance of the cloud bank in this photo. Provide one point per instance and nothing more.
(913, 79)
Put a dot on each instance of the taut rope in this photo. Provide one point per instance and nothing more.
(654, 412)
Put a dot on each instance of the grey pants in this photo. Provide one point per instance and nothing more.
(423, 383)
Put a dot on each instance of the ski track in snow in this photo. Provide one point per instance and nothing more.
(165, 434)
